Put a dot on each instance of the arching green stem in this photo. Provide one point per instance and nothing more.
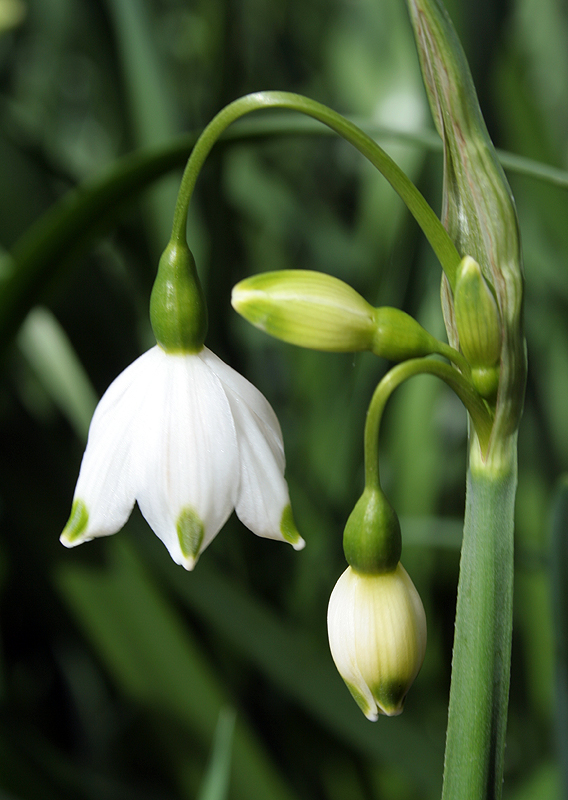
(455, 357)
(474, 404)
(415, 202)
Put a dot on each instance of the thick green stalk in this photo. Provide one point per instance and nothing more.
(479, 692)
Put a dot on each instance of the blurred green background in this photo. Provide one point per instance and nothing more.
(116, 666)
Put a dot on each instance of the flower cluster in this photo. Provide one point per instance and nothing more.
(189, 439)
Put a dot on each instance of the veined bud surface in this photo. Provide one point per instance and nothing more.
(377, 637)
(307, 308)
(320, 312)
(478, 323)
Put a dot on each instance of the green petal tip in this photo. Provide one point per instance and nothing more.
(289, 531)
(371, 713)
(190, 531)
(76, 525)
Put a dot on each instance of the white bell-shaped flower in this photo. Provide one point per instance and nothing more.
(377, 637)
(190, 440)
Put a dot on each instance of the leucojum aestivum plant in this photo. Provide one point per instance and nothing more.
(189, 439)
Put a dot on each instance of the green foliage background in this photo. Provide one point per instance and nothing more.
(116, 665)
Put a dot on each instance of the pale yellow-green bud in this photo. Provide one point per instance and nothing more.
(478, 323)
(377, 637)
(315, 310)
(307, 308)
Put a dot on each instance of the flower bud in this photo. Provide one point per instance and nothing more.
(307, 308)
(377, 637)
(371, 540)
(477, 317)
(318, 311)
(178, 311)
(478, 323)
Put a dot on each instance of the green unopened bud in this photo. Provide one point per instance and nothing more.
(318, 311)
(477, 317)
(377, 637)
(178, 311)
(372, 541)
(478, 324)
(307, 308)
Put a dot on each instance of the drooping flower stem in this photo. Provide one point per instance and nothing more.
(475, 741)
(415, 202)
(476, 407)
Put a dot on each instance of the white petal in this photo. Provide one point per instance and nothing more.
(343, 615)
(263, 492)
(263, 499)
(249, 396)
(106, 483)
(188, 448)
